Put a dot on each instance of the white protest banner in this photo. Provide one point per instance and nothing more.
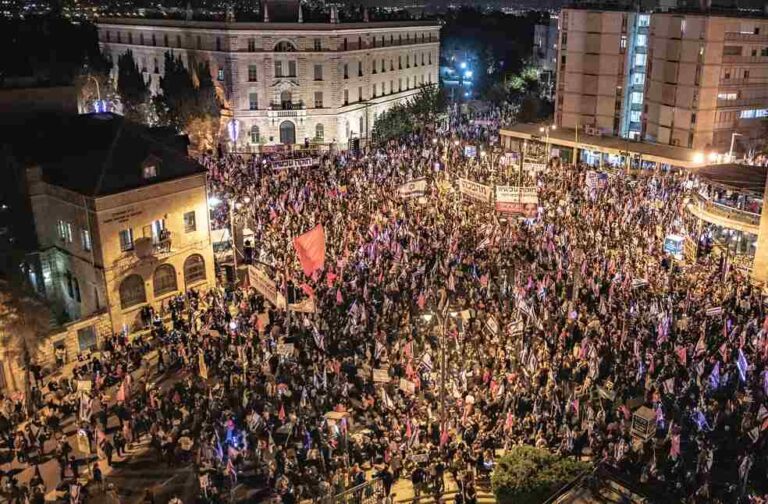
(84, 385)
(285, 349)
(265, 286)
(407, 386)
(534, 167)
(380, 376)
(713, 312)
(304, 306)
(470, 151)
(517, 200)
(413, 189)
(287, 164)
(509, 159)
(475, 191)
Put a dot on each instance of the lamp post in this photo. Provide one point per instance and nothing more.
(98, 92)
(730, 151)
(441, 320)
(546, 130)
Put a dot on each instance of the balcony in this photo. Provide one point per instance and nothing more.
(722, 215)
(287, 109)
(746, 37)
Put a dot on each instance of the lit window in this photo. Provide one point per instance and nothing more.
(639, 59)
(634, 116)
(727, 96)
(150, 171)
(126, 239)
(85, 238)
(189, 222)
(637, 97)
(220, 74)
(643, 20)
(641, 40)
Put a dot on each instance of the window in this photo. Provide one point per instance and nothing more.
(178, 41)
(399, 62)
(634, 116)
(727, 96)
(194, 269)
(61, 227)
(429, 58)
(346, 71)
(643, 20)
(189, 222)
(255, 138)
(130, 37)
(391, 65)
(636, 97)
(638, 79)
(158, 231)
(109, 36)
(141, 39)
(318, 99)
(641, 40)
(640, 59)
(360, 93)
(383, 68)
(154, 40)
(346, 97)
(126, 239)
(253, 101)
(68, 232)
(149, 171)
(220, 74)
(85, 239)
(164, 280)
(278, 68)
(319, 132)
(165, 40)
(407, 61)
(199, 42)
(731, 50)
(422, 59)
(253, 73)
(86, 338)
(623, 43)
(373, 91)
(119, 38)
(132, 292)
(746, 74)
(157, 66)
(753, 114)
(291, 69)
(727, 74)
(318, 72)
(399, 84)
(407, 83)
(285, 46)
(318, 45)
(70, 286)
(251, 45)
(359, 69)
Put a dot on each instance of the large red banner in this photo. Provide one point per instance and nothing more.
(311, 249)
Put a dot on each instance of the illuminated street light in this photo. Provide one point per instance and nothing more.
(463, 65)
(712, 157)
(698, 158)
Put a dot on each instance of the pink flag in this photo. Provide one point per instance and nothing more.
(310, 248)
(121, 393)
(339, 299)
(484, 280)
(281, 413)
(421, 301)
(330, 277)
(682, 355)
(674, 449)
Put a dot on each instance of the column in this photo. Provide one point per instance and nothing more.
(760, 266)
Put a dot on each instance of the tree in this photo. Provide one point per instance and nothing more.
(394, 123)
(24, 322)
(94, 82)
(402, 119)
(530, 108)
(132, 88)
(427, 104)
(528, 475)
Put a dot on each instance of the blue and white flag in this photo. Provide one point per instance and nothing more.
(714, 376)
(743, 366)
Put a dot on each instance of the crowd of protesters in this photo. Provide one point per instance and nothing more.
(552, 330)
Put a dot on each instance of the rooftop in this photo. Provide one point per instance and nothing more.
(666, 154)
(260, 26)
(736, 177)
(101, 154)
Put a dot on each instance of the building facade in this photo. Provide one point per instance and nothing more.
(121, 222)
(287, 83)
(544, 57)
(689, 80)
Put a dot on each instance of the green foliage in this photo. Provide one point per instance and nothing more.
(528, 475)
(403, 119)
(186, 98)
(132, 88)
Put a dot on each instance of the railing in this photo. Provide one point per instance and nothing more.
(726, 212)
(370, 492)
(751, 37)
(287, 105)
(739, 58)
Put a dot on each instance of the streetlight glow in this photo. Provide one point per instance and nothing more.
(698, 158)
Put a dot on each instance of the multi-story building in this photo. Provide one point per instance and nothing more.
(287, 82)
(544, 58)
(691, 80)
(121, 218)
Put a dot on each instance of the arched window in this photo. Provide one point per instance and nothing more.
(319, 132)
(285, 99)
(285, 46)
(255, 134)
(194, 269)
(132, 291)
(287, 133)
(164, 280)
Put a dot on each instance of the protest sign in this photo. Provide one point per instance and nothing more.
(517, 200)
(287, 164)
(380, 376)
(407, 386)
(475, 191)
(285, 349)
(265, 286)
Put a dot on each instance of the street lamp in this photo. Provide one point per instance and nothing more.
(441, 320)
(546, 130)
(730, 151)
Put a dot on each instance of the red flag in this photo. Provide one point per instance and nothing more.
(444, 437)
(330, 277)
(682, 355)
(408, 433)
(281, 413)
(309, 291)
(421, 301)
(310, 248)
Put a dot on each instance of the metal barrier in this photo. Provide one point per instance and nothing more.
(370, 492)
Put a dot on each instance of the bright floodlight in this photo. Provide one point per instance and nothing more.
(463, 65)
(698, 157)
(712, 157)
